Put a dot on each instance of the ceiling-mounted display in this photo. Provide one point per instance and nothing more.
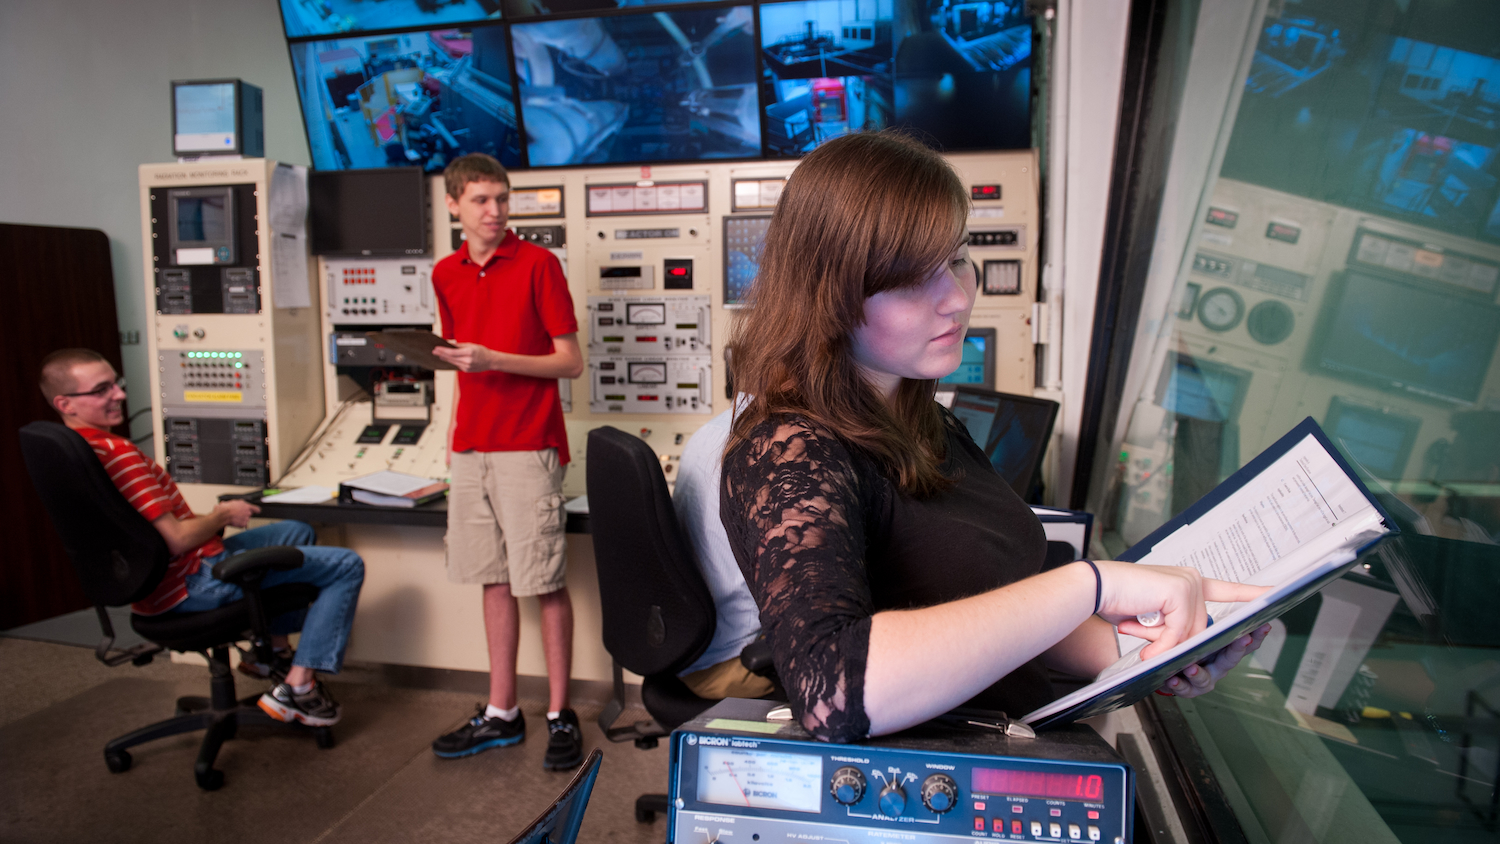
(663, 86)
(408, 99)
(314, 18)
(958, 72)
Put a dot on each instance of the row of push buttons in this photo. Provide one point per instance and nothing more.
(359, 276)
(1053, 830)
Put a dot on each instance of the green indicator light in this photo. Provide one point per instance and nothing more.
(238, 365)
(236, 354)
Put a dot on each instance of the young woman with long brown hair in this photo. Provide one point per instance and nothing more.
(895, 571)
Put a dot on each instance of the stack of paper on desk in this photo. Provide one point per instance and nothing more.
(1294, 518)
(393, 489)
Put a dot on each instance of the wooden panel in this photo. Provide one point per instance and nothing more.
(58, 289)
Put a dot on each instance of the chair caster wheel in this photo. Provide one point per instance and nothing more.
(209, 780)
(644, 816)
(324, 737)
(117, 760)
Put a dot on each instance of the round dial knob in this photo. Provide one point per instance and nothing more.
(847, 786)
(892, 800)
(939, 793)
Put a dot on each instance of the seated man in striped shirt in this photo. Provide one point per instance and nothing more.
(84, 390)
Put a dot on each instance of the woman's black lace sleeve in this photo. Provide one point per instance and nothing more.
(792, 507)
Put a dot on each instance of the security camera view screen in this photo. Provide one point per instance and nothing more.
(744, 241)
(647, 87)
(333, 17)
(532, 8)
(960, 73)
(1337, 110)
(416, 99)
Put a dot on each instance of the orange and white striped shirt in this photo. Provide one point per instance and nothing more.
(151, 491)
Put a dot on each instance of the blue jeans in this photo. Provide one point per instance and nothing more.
(337, 572)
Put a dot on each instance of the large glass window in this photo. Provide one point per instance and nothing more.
(1343, 263)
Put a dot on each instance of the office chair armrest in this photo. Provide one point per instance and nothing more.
(252, 565)
(756, 657)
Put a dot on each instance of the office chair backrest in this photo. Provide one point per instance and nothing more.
(559, 823)
(658, 612)
(119, 556)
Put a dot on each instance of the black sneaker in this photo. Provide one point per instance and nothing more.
(316, 708)
(281, 663)
(564, 742)
(480, 733)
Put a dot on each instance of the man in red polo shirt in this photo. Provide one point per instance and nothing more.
(506, 304)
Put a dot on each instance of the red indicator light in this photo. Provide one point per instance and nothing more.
(1093, 815)
(677, 271)
(649, 398)
(1057, 813)
(978, 806)
(1017, 809)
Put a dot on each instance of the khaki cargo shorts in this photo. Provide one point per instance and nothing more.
(505, 520)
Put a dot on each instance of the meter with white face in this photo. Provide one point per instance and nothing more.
(760, 779)
(651, 384)
(1221, 309)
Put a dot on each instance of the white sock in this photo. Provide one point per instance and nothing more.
(553, 716)
(302, 689)
(510, 714)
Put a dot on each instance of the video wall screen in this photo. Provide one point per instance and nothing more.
(663, 86)
(303, 18)
(408, 99)
(958, 73)
(1338, 111)
(628, 85)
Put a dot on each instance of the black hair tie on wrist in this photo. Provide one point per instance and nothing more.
(1098, 585)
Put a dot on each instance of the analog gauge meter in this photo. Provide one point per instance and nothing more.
(1221, 309)
(650, 372)
(646, 313)
(1270, 322)
(759, 779)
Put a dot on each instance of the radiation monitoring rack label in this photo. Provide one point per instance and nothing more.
(650, 384)
(649, 325)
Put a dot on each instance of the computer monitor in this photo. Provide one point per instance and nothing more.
(1201, 389)
(217, 117)
(662, 86)
(1381, 442)
(744, 241)
(1013, 431)
(1411, 338)
(368, 213)
(559, 823)
(978, 366)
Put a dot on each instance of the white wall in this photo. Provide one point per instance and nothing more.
(86, 92)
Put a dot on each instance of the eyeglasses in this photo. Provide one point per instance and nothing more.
(100, 391)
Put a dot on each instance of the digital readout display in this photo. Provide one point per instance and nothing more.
(1000, 781)
(760, 780)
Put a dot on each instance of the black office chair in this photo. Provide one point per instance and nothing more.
(120, 557)
(658, 613)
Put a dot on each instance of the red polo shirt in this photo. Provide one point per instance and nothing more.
(517, 302)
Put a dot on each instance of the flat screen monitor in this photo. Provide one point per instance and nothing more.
(1414, 339)
(217, 117)
(978, 366)
(1013, 431)
(411, 99)
(664, 86)
(560, 822)
(744, 240)
(368, 212)
(1381, 442)
(201, 226)
(1201, 389)
(957, 73)
(313, 18)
